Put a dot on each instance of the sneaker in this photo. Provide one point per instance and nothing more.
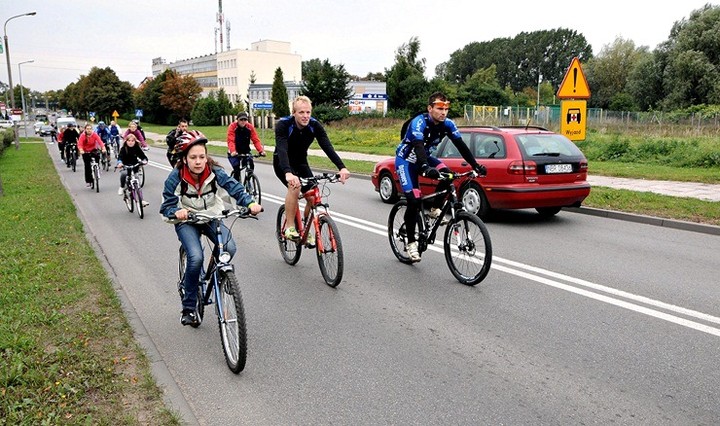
(145, 203)
(434, 213)
(88, 185)
(310, 240)
(412, 250)
(120, 191)
(189, 318)
(146, 148)
(291, 233)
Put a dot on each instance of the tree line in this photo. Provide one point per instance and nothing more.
(682, 73)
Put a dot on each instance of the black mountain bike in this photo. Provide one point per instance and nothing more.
(466, 241)
(71, 155)
(219, 285)
(250, 181)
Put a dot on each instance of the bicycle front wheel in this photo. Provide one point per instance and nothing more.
(231, 320)
(289, 249)
(329, 251)
(397, 233)
(128, 199)
(141, 176)
(137, 196)
(252, 187)
(96, 177)
(468, 250)
(73, 161)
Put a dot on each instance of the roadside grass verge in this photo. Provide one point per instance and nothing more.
(67, 353)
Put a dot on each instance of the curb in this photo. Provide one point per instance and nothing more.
(648, 220)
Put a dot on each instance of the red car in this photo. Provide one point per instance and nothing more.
(527, 167)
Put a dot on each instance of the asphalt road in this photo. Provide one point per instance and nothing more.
(582, 319)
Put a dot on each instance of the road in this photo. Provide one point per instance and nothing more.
(581, 320)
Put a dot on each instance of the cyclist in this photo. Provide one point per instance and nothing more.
(171, 140)
(88, 144)
(239, 135)
(133, 129)
(69, 137)
(115, 134)
(105, 135)
(129, 155)
(192, 186)
(293, 136)
(413, 156)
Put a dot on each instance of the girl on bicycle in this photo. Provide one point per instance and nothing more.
(192, 187)
(129, 155)
(88, 145)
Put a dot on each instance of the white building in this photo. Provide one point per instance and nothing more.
(237, 69)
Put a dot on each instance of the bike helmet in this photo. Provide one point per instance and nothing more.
(187, 139)
(101, 123)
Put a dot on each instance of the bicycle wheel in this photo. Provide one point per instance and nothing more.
(96, 177)
(231, 321)
(329, 251)
(141, 176)
(468, 250)
(252, 187)
(199, 305)
(289, 249)
(396, 231)
(73, 161)
(137, 196)
(128, 199)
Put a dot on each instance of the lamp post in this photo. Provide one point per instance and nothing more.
(22, 93)
(7, 57)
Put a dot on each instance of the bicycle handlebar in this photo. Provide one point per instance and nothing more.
(249, 155)
(134, 166)
(240, 212)
(330, 177)
(452, 176)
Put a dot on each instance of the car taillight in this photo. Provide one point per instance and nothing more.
(583, 166)
(522, 168)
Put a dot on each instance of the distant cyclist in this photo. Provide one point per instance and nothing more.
(130, 155)
(172, 138)
(104, 134)
(192, 186)
(413, 156)
(115, 134)
(293, 136)
(89, 143)
(239, 135)
(133, 129)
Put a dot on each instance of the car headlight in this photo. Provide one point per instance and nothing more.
(224, 257)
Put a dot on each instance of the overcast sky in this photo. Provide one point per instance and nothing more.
(67, 38)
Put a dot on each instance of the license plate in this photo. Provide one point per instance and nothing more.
(558, 168)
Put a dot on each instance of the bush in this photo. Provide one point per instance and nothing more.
(327, 113)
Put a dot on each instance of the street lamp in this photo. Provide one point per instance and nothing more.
(22, 93)
(7, 57)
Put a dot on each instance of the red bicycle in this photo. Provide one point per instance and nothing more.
(328, 246)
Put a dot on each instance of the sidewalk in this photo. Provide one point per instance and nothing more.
(702, 191)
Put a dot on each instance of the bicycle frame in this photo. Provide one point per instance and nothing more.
(314, 198)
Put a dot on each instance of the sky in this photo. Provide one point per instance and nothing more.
(65, 39)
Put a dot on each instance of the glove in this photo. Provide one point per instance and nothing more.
(445, 170)
(431, 173)
(480, 169)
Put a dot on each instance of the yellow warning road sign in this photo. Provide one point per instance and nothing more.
(574, 84)
(573, 119)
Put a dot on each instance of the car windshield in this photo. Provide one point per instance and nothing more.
(538, 145)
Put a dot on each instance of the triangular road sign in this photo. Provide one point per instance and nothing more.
(574, 84)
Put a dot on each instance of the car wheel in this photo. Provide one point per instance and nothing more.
(474, 200)
(387, 189)
(548, 211)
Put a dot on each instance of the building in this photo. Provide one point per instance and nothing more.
(235, 70)
(368, 96)
(260, 95)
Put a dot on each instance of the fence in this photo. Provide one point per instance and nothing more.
(548, 116)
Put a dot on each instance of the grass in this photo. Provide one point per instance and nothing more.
(67, 354)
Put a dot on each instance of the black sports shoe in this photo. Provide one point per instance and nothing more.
(189, 318)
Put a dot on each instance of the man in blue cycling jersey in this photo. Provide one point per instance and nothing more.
(414, 156)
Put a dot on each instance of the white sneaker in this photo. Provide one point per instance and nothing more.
(145, 203)
(434, 213)
(120, 191)
(146, 148)
(412, 250)
(310, 240)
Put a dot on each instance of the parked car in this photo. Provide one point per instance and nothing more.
(6, 124)
(46, 130)
(527, 167)
(37, 126)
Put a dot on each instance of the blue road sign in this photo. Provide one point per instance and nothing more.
(138, 113)
(262, 105)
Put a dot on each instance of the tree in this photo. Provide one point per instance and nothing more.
(205, 111)
(279, 95)
(102, 92)
(406, 84)
(326, 84)
(179, 94)
(608, 72)
(147, 98)
(644, 83)
(482, 88)
(223, 103)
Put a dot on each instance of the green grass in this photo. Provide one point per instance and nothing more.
(67, 354)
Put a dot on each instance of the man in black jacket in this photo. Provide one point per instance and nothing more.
(171, 140)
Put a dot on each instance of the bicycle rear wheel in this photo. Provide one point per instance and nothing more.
(289, 249)
(231, 321)
(199, 305)
(252, 187)
(397, 233)
(329, 251)
(468, 250)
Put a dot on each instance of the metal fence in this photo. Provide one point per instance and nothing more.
(599, 119)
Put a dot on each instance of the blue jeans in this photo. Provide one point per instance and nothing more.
(189, 236)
